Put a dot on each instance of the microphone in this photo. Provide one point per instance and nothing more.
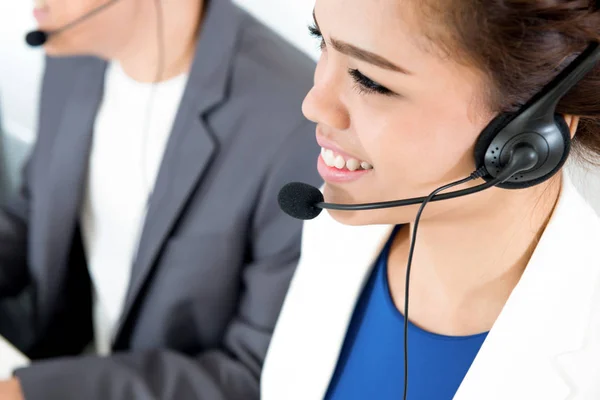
(303, 201)
(36, 38)
(299, 200)
(39, 37)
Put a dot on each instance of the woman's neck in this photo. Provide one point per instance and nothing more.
(142, 55)
(464, 270)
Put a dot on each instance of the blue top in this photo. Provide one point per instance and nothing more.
(371, 364)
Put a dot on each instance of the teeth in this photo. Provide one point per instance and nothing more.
(337, 161)
(352, 164)
(329, 158)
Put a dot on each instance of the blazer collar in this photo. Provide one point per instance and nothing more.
(525, 354)
(191, 145)
(215, 51)
(62, 189)
(319, 306)
(545, 319)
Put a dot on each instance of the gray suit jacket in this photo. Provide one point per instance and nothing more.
(216, 253)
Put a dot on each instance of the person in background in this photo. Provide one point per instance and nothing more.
(147, 233)
(505, 284)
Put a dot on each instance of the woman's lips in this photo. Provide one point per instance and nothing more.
(341, 171)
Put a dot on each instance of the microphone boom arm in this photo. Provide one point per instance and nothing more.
(84, 17)
(407, 202)
(523, 158)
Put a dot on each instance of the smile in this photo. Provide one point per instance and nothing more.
(335, 160)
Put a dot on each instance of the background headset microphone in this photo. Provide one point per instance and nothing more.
(40, 37)
(515, 151)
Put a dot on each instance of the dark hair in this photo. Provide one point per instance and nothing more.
(520, 45)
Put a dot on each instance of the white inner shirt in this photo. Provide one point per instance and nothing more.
(131, 130)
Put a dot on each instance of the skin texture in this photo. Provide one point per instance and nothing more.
(470, 251)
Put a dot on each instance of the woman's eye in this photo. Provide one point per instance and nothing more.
(366, 85)
(316, 33)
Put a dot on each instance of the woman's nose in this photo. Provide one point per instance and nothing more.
(322, 104)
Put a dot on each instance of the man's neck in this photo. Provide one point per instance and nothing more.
(143, 55)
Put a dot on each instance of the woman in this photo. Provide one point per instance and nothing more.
(505, 284)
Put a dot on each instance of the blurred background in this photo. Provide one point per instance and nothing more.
(21, 68)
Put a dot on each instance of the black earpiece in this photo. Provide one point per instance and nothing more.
(496, 144)
(536, 125)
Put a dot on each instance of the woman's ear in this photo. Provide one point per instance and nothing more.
(572, 122)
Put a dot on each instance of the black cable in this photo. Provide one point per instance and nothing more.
(475, 175)
(523, 158)
(160, 37)
(160, 41)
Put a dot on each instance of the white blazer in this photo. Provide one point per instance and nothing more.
(545, 344)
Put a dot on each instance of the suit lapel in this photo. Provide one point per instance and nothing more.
(323, 293)
(191, 145)
(66, 177)
(542, 324)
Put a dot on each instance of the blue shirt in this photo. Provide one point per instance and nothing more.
(371, 364)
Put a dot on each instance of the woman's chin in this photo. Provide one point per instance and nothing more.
(352, 218)
(373, 217)
(384, 216)
(338, 195)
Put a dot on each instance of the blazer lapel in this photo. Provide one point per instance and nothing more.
(527, 352)
(66, 177)
(191, 145)
(336, 275)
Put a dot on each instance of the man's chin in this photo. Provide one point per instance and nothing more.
(56, 50)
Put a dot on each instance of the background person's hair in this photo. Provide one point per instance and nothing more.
(520, 45)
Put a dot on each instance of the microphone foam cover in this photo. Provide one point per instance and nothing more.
(36, 38)
(298, 200)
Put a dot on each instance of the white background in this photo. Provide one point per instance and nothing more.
(21, 67)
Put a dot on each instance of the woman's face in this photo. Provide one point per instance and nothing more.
(105, 30)
(386, 104)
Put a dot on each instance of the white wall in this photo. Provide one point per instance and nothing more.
(290, 18)
(21, 67)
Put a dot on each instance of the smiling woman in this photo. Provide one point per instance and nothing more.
(417, 91)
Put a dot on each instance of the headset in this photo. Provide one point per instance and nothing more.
(536, 126)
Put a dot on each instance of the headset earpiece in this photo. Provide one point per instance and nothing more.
(551, 140)
(537, 126)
